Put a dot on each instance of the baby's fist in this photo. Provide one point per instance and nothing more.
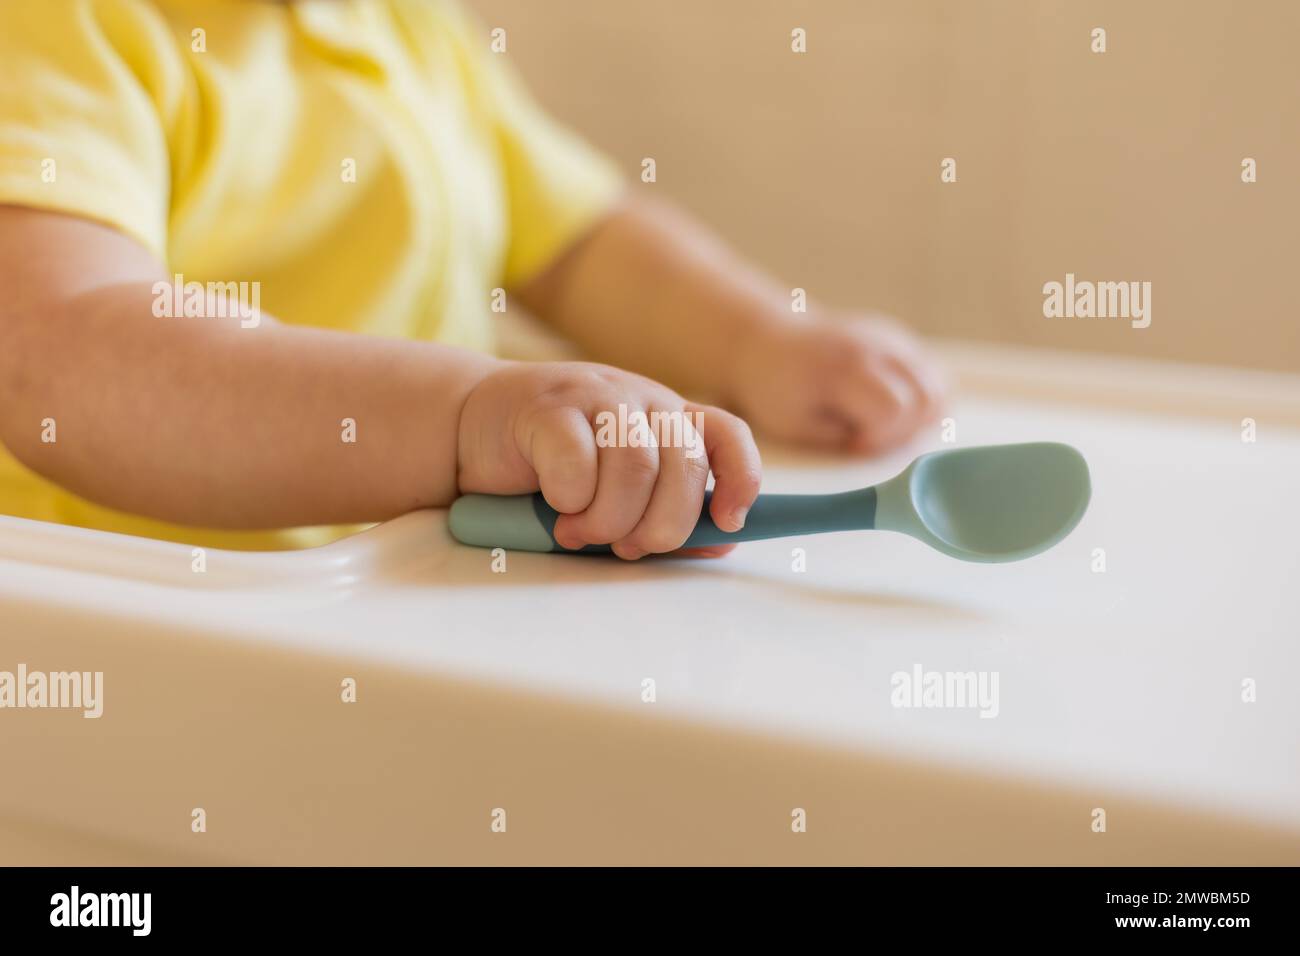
(624, 459)
(858, 384)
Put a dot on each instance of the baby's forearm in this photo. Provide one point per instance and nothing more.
(653, 291)
(201, 421)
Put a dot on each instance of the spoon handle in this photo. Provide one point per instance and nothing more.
(527, 522)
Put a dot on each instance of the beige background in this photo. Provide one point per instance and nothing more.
(825, 166)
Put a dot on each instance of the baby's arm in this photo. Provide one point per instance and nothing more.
(197, 420)
(200, 421)
(653, 291)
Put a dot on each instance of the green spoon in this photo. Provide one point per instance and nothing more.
(991, 503)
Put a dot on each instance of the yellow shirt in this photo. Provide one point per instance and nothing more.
(374, 164)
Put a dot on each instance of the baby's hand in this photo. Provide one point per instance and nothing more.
(858, 384)
(531, 426)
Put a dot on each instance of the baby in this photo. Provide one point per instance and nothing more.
(375, 171)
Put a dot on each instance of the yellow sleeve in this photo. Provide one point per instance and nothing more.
(79, 132)
(557, 185)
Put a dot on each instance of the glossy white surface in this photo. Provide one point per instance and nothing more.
(1127, 680)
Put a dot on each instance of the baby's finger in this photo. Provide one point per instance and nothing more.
(880, 404)
(926, 383)
(737, 467)
(678, 495)
(904, 354)
(560, 447)
(712, 551)
(624, 482)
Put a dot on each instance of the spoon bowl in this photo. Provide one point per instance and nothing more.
(991, 503)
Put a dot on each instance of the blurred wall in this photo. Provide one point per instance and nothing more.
(825, 166)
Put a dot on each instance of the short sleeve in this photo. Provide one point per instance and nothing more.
(558, 186)
(79, 133)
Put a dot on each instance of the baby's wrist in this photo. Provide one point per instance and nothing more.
(764, 332)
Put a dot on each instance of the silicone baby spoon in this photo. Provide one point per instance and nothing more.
(991, 503)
